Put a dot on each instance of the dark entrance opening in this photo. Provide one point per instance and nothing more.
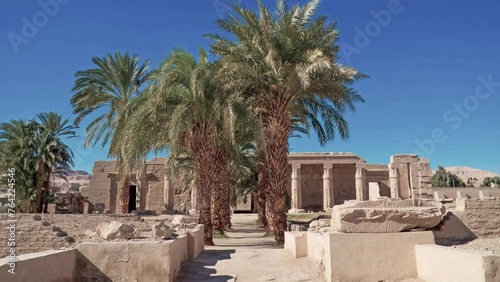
(131, 200)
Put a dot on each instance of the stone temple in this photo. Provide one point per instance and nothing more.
(318, 181)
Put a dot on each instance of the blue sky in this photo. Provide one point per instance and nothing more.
(434, 67)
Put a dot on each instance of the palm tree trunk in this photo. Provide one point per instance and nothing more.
(276, 132)
(262, 187)
(124, 195)
(204, 158)
(221, 212)
(47, 192)
(39, 188)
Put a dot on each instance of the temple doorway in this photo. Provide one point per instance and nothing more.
(132, 189)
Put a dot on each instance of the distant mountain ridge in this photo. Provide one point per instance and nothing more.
(76, 179)
(466, 173)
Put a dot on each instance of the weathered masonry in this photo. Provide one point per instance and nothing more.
(318, 181)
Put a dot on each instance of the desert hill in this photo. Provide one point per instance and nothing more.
(465, 173)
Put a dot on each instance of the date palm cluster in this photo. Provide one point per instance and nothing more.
(35, 150)
(226, 115)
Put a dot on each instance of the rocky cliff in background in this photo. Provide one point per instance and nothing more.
(466, 173)
(76, 179)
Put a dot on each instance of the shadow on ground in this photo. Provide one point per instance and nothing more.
(200, 269)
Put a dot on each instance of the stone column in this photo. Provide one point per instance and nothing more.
(424, 178)
(360, 182)
(296, 191)
(142, 188)
(394, 181)
(168, 193)
(194, 198)
(328, 196)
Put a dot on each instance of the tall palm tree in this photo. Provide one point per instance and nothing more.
(52, 156)
(111, 90)
(286, 64)
(191, 118)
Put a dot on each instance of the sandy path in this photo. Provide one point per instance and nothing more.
(248, 256)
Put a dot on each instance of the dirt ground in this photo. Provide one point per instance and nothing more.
(248, 255)
(491, 245)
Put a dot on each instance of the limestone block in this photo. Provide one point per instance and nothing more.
(178, 220)
(161, 231)
(195, 242)
(437, 264)
(296, 244)
(386, 216)
(117, 230)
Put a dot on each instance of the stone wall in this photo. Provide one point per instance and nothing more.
(109, 261)
(381, 177)
(344, 186)
(451, 192)
(130, 261)
(156, 197)
(414, 176)
(481, 216)
(311, 180)
(50, 266)
(441, 264)
(102, 189)
(373, 256)
(55, 231)
(33, 235)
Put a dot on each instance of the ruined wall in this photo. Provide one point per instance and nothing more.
(380, 176)
(33, 235)
(101, 189)
(156, 197)
(480, 215)
(414, 176)
(344, 185)
(407, 166)
(451, 193)
(311, 181)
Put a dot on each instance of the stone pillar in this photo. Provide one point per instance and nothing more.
(394, 181)
(168, 193)
(194, 198)
(142, 190)
(296, 191)
(328, 196)
(360, 182)
(424, 178)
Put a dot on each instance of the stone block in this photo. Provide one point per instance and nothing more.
(48, 266)
(117, 230)
(386, 216)
(374, 257)
(438, 264)
(178, 220)
(130, 261)
(296, 243)
(161, 231)
(195, 242)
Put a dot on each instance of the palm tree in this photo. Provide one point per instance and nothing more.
(52, 156)
(191, 118)
(111, 89)
(286, 64)
(16, 150)
(36, 150)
